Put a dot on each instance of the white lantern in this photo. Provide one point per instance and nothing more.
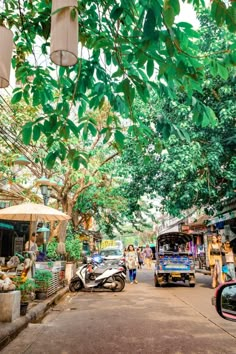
(64, 33)
(6, 47)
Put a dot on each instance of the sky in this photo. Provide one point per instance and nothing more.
(187, 14)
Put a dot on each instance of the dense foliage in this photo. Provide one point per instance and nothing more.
(126, 47)
(191, 163)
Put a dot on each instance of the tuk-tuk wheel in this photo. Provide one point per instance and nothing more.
(192, 285)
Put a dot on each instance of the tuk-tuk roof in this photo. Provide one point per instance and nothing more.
(178, 237)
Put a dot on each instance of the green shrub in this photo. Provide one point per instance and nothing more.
(43, 279)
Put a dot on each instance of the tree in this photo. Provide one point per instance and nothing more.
(195, 163)
(131, 46)
(90, 192)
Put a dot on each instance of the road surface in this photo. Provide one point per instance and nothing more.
(141, 319)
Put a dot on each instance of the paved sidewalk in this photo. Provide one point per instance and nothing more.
(8, 331)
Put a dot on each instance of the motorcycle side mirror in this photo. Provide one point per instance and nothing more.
(225, 301)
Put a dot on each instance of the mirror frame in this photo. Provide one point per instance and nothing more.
(218, 301)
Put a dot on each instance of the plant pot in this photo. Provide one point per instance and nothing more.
(70, 270)
(23, 308)
(40, 295)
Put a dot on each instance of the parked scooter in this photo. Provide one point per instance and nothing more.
(89, 276)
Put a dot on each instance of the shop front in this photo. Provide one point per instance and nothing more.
(20, 271)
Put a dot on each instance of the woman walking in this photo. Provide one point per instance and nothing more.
(140, 258)
(131, 259)
(215, 261)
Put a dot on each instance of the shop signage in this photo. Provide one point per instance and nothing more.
(18, 245)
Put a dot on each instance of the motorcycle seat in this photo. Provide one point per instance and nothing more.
(101, 270)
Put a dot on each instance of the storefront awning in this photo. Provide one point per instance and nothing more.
(223, 217)
(6, 226)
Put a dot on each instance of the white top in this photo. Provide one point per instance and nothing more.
(31, 246)
(229, 256)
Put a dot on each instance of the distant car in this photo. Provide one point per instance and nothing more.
(111, 253)
(113, 257)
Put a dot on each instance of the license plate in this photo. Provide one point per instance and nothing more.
(177, 275)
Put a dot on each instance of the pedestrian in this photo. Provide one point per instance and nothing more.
(32, 245)
(215, 261)
(140, 257)
(131, 259)
(219, 240)
(147, 252)
(229, 262)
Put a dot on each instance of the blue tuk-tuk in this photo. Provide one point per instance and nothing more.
(174, 259)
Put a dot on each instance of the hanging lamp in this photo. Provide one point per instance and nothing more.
(64, 32)
(6, 47)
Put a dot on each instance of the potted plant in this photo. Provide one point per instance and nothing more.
(26, 287)
(43, 280)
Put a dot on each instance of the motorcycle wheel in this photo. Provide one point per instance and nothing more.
(75, 286)
(120, 284)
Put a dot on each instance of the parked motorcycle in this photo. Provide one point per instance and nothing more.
(89, 276)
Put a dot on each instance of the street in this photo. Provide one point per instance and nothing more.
(141, 319)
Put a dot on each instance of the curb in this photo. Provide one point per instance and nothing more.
(11, 330)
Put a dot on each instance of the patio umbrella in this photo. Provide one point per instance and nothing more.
(32, 212)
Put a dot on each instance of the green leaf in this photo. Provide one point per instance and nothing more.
(51, 159)
(116, 12)
(64, 132)
(85, 132)
(213, 68)
(231, 18)
(166, 131)
(211, 116)
(83, 161)
(36, 98)
(168, 13)
(107, 136)
(143, 92)
(26, 134)
(218, 11)
(72, 127)
(222, 71)
(176, 6)
(36, 132)
(17, 97)
(170, 47)
(92, 129)
(150, 68)
(76, 163)
(119, 138)
(128, 90)
(205, 120)
(149, 24)
(62, 151)
(118, 73)
(109, 120)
